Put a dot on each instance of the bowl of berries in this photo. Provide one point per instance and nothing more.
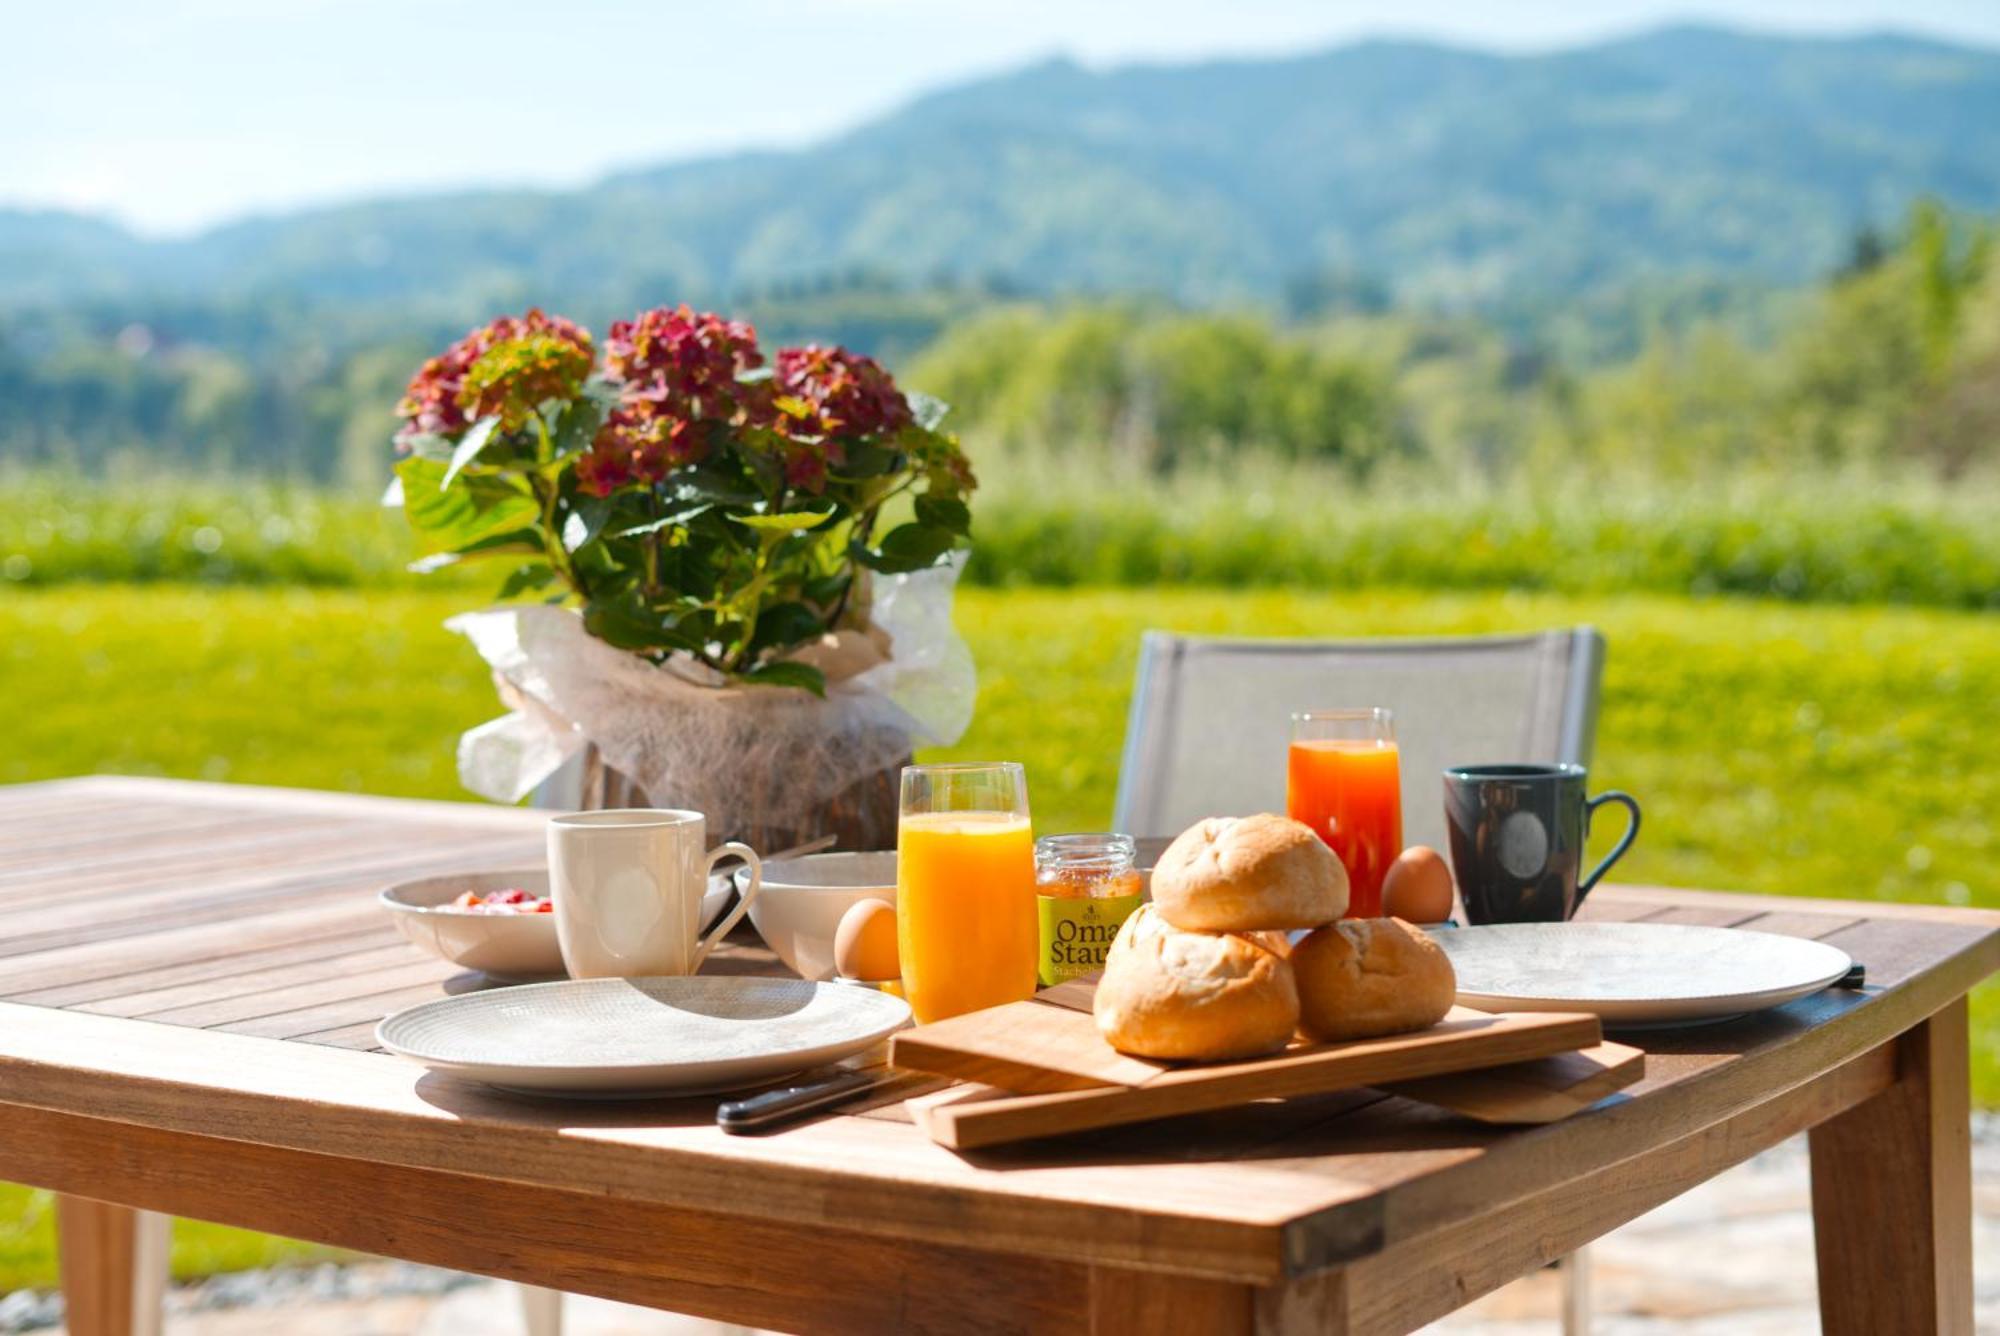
(500, 923)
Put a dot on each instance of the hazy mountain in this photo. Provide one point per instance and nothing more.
(1435, 174)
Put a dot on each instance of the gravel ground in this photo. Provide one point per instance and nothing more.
(1731, 1258)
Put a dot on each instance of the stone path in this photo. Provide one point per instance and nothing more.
(1732, 1258)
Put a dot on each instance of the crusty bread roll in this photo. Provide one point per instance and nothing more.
(1228, 875)
(1193, 995)
(1361, 978)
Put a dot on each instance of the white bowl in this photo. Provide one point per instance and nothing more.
(506, 946)
(510, 947)
(803, 900)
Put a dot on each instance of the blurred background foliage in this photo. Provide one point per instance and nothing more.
(1850, 454)
(1891, 365)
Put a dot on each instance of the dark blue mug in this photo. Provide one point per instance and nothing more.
(1517, 834)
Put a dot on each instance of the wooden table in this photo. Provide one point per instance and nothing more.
(191, 975)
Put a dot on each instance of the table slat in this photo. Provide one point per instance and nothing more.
(295, 946)
(281, 981)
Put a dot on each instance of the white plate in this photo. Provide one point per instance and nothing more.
(511, 948)
(633, 1037)
(1636, 974)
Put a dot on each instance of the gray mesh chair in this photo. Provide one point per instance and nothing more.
(1211, 718)
(1211, 721)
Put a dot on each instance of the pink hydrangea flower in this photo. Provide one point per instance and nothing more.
(436, 401)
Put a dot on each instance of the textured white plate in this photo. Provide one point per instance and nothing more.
(631, 1037)
(1635, 974)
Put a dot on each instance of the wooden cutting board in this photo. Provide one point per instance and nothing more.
(967, 1117)
(1546, 1090)
(1050, 1046)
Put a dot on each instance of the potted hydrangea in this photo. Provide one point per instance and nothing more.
(730, 580)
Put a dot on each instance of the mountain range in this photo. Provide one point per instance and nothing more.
(1434, 175)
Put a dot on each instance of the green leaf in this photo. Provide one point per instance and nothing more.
(928, 410)
(477, 508)
(586, 520)
(783, 625)
(628, 622)
(468, 448)
(534, 575)
(675, 515)
(785, 673)
(826, 590)
(513, 541)
(711, 483)
(910, 547)
(791, 521)
(427, 444)
(945, 512)
(577, 424)
(868, 461)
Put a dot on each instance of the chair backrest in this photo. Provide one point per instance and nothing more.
(1211, 718)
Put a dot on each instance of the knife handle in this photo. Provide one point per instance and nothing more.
(773, 1107)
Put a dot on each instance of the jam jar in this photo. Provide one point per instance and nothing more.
(1086, 886)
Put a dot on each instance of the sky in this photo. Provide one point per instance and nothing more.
(172, 116)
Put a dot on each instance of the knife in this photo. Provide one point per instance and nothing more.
(774, 1108)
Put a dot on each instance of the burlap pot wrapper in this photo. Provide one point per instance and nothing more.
(689, 739)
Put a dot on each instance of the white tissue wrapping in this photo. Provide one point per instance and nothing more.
(739, 754)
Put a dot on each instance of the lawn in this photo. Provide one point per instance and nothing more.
(1812, 750)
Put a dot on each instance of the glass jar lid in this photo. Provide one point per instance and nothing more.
(1104, 852)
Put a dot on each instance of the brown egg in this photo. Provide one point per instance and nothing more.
(1417, 888)
(864, 945)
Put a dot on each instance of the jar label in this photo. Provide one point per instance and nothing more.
(1076, 933)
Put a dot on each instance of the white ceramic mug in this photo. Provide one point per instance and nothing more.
(628, 885)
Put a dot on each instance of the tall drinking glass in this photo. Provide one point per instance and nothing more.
(1344, 779)
(965, 888)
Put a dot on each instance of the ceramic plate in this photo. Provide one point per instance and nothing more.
(1636, 974)
(633, 1037)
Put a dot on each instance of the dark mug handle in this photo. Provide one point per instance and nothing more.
(1590, 806)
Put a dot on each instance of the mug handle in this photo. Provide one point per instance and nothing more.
(1590, 806)
(706, 944)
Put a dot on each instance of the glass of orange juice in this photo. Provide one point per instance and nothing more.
(965, 888)
(1344, 780)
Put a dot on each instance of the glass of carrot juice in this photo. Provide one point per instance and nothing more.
(965, 888)
(1344, 780)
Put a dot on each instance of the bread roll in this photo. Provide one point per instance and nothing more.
(1193, 995)
(1228, 875)
(1361, 978)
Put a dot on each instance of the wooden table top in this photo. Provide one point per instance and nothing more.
(208, 959)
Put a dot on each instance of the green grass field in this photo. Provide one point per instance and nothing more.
(1064, 522)
(1813, 750)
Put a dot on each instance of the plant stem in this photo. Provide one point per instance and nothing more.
(653, 541)
(552, 542)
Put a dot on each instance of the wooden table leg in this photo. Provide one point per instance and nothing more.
(113, 1261)
(1574, 1271)
(1892, 1194)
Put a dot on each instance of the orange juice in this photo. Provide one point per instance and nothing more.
(1350, 792)
(965, 911)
